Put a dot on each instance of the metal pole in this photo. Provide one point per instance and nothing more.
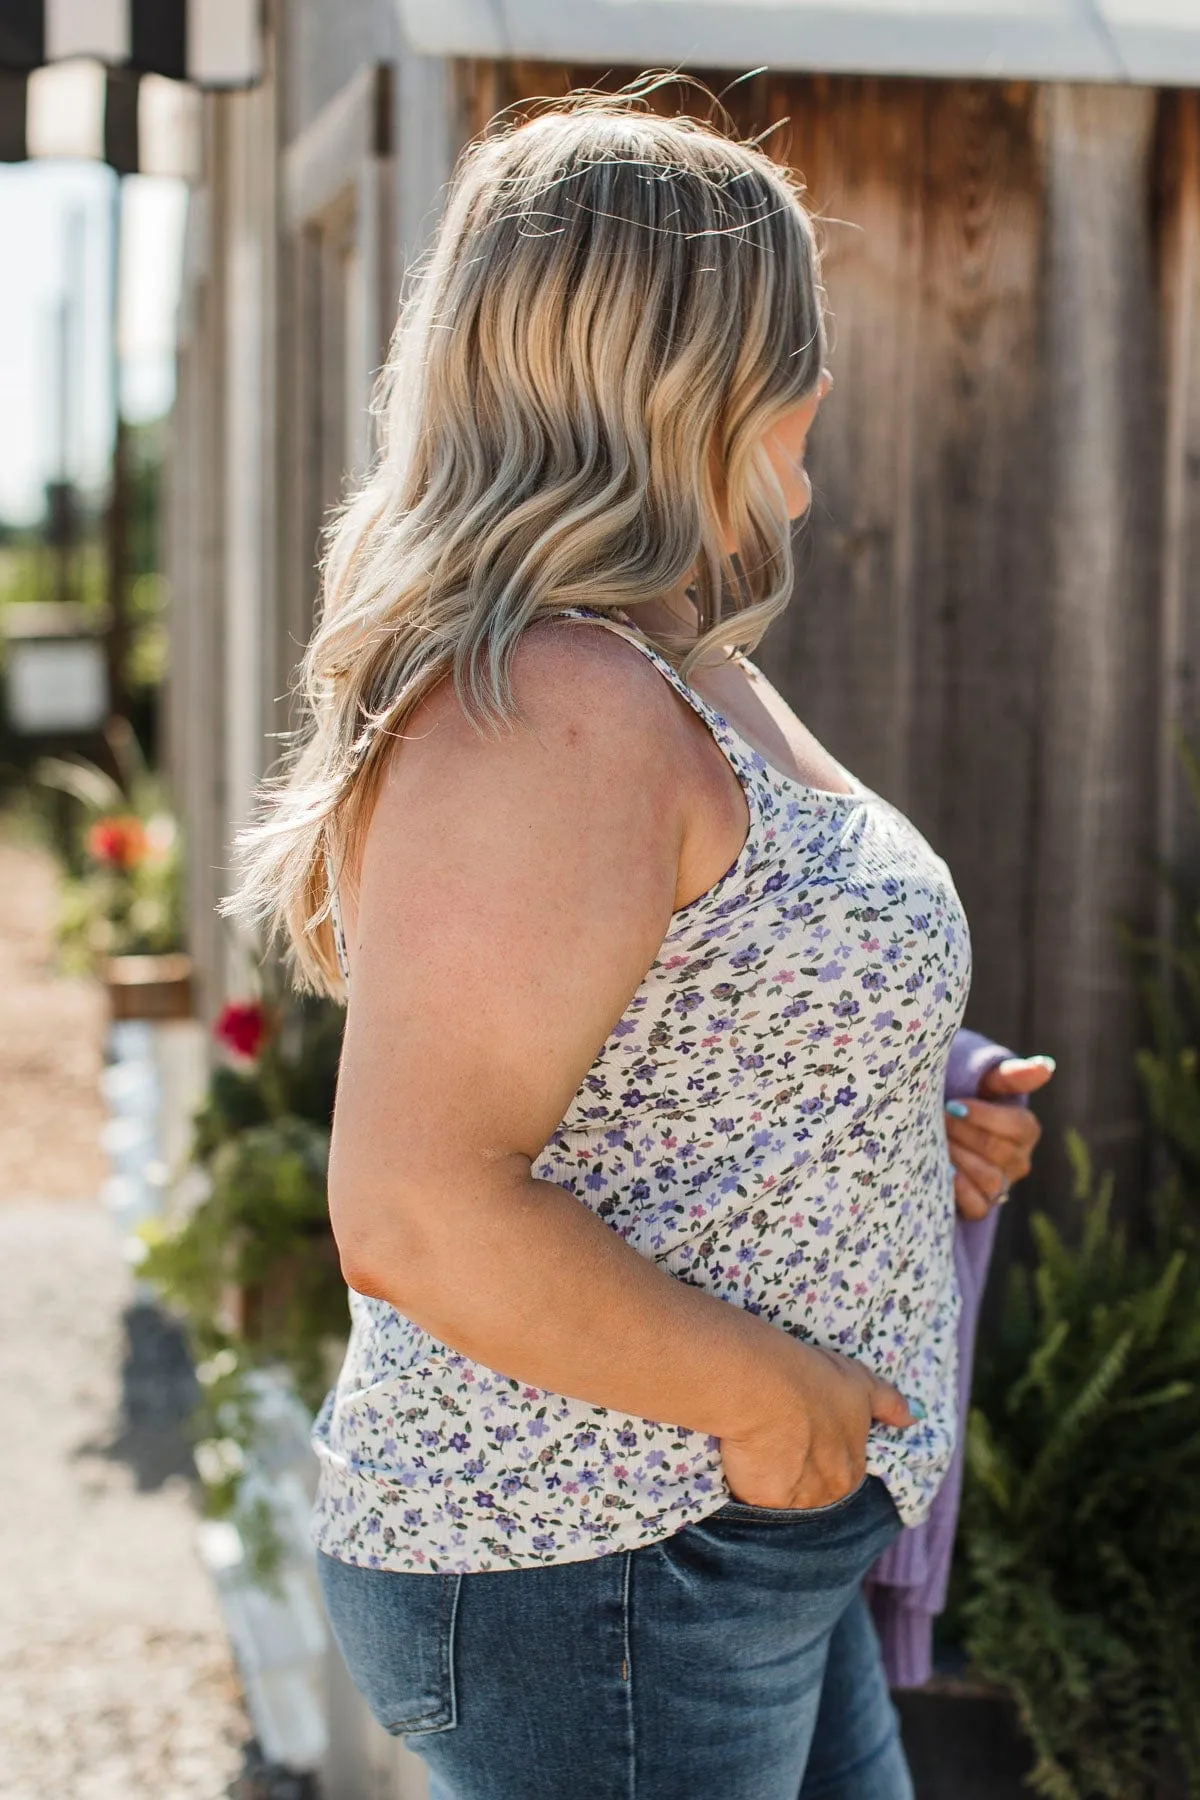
(68, 382)
(59, 491)
(117, 534)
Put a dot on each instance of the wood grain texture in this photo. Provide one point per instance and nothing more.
(845, 651)
(995, 607)
(1094, 834)
(1178, 164)
(997, 611)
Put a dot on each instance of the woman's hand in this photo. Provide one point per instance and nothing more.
(991, 1143)
(810, 1446)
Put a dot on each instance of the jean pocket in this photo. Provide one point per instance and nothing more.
(396, 1634)
(790, 1515)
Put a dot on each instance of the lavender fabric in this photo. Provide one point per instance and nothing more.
(907, 1586)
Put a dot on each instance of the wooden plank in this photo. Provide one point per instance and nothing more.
(977, 605)
(1094, 832)
(203, 795)
(979, 571)
(843, 652)
(1178, 839)
(325, 159)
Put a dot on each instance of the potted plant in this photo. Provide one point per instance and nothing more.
(121, 912)
(252, 1265)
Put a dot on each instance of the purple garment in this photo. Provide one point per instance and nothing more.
(907, 1586)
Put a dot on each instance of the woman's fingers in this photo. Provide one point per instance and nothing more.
(1003, 1135)
(991, 1142)
(988, 1178)
(968, 1200)
(1017, 1075)
(889, 1407)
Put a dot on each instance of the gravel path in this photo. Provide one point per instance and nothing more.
(115, 1677)
(116, 1681)
(51, 1038)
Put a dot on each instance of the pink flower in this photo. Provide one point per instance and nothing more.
(243, 1027)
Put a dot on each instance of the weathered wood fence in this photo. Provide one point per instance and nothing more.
(998, 603)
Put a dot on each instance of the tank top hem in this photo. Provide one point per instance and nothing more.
(411, 1558)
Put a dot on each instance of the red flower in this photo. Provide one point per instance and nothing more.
(119, 841)
(242, 1027)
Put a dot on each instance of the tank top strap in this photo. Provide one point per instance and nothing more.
(735, 749)
(736, 752)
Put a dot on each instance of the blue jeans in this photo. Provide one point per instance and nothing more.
(735, 1660)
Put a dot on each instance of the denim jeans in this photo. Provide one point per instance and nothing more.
(735, 1660)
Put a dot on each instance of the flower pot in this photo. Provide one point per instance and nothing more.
(149, 987)
(263, 1303)
(255, 1310)
(964, 1742)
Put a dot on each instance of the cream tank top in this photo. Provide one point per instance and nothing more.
(765, 1121)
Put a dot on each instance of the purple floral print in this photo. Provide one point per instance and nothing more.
(765, 1122)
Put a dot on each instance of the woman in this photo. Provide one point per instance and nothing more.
(640, 1175)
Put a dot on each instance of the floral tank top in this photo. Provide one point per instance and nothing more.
(765, 1121)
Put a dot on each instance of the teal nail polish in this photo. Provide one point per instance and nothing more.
(957, 1110)
(1047, 1060)
(917, 1410)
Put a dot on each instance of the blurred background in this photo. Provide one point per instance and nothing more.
(206, 211)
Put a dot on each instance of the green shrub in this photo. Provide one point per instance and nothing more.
(1169, 1066)
(120, 848)
(261, 1140)
(259, 1235)
(1081, 1524)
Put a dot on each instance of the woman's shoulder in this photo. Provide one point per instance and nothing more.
(573, 682)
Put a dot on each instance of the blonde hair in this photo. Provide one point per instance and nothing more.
(617, 304)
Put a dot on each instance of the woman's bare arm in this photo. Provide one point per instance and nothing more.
(512, 896)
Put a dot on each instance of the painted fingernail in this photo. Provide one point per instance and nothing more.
(1048, 1061)
(916, 1408)
(957, 1110)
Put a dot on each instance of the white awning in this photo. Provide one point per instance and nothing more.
(138, 124)
(214, 43)
(1153, 43)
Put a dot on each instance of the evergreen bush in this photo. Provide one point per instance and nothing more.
(1078, 1579)
(1081, 1529)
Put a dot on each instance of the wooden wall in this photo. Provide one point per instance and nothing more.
(998, 596)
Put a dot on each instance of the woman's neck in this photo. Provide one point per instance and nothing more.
(670, 616)
(673, 619)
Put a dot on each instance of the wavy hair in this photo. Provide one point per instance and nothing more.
(616, 309)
